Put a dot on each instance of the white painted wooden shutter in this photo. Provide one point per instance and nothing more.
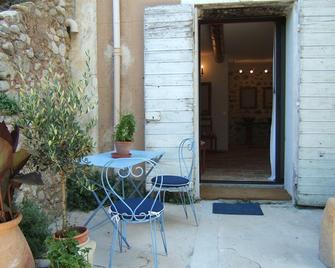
(168, 80)
(316, 164)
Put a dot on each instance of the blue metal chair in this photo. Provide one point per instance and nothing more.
(95, 187)
(125, 210)
(181, 183)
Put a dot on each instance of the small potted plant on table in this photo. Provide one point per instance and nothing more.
(124, 135)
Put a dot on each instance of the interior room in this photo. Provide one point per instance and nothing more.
(236, 102)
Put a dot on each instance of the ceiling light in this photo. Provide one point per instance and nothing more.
(240, 71)
(251, 71)
(266, 71)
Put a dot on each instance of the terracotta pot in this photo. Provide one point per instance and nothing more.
(14, 249)
(82, 237)
(123, 147)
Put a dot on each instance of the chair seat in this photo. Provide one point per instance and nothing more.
(141, 213)
(170, 181)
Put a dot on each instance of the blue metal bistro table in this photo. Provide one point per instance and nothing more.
(102, 159)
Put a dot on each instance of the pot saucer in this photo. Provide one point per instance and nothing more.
(117, 155)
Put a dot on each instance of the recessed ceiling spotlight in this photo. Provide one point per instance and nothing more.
(266, 71)
(251, 71)
(240, 71)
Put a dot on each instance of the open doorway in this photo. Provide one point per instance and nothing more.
(237, 102)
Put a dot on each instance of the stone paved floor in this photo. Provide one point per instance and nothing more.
(238, 164)
(284, 237)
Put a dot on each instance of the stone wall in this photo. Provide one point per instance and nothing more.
(33, 37)
(5, 4)
(254, 119)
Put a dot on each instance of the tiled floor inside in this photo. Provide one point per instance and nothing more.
(238, 164)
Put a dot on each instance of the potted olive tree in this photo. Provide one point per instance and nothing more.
(124, 135)
(56, 123)
(14, 250)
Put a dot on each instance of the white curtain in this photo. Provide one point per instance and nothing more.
(273, 117)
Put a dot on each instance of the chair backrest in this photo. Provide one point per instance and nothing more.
(186, 165)
(111, 176)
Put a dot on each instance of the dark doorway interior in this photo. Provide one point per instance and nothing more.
(236, 102)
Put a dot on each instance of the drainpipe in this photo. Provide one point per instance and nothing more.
(117, 59)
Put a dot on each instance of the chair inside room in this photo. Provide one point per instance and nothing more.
(206, 121)
(206, 132)
(181, 183)
(125, 210)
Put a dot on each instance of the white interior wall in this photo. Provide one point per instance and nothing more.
(217, 74)
(291, 99)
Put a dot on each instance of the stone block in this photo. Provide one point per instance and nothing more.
(8, 48)
(327, 235)
(7, 72)
(54, 48)
(15, 29)
(10, 16)
(4, 28)
(22, 8)
(4, 86)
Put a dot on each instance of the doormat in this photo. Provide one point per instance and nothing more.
(237, 209)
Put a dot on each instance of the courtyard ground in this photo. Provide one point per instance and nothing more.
(285, 236)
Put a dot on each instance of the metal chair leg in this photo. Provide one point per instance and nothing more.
(183, 201)
(154, 241)
(120, 235)
(112, 248)
(192, 206)
(162, 229)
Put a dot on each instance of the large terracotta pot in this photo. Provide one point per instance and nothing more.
(14, 249)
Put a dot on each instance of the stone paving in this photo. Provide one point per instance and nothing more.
(285, 236)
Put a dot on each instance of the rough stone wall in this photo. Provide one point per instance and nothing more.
(261, 115)
(5, 4)
(33, 37)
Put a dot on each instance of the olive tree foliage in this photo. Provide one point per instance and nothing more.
(56, 123)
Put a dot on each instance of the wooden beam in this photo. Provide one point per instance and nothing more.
(216, 34)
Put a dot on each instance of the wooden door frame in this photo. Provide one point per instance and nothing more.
(279, 86)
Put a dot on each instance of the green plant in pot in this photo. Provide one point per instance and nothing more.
(35, 227)
(12, 241)
(56, 124)
(64, 253)
(124, 134)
